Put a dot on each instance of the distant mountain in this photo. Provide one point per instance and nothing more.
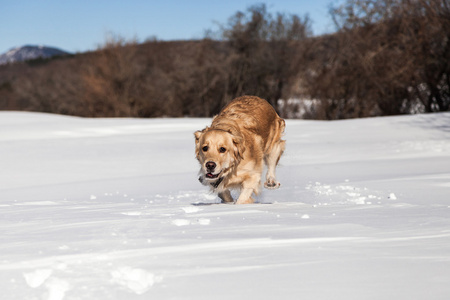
(29, 52)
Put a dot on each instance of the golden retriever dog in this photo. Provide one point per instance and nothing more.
(232, 151)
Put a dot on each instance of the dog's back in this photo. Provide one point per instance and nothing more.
(251, 113)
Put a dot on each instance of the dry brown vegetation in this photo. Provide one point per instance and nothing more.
(388, 57)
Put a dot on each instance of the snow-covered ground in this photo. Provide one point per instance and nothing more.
(111, 209)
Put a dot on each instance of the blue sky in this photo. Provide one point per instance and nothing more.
(81, 25)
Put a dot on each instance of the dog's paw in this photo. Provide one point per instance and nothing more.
(250, 200)
(272, 184)
(228, 201)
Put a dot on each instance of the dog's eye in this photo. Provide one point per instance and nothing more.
(205, 148)
(222, 150)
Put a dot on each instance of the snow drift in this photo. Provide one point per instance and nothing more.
(111, 209)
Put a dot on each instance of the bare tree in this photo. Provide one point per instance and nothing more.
(388, 57)
(262, 50)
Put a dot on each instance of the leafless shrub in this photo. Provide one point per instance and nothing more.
(263, 48)
(387, 56)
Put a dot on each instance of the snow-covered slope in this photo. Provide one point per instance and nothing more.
(111, 209)
(29, 52)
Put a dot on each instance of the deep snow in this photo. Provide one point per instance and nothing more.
(111, 209)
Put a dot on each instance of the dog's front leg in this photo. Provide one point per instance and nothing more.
(244, 197)
(226, 196)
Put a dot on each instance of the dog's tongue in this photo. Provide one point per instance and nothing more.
(209, 175)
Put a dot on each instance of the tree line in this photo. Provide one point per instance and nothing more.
(387, 57)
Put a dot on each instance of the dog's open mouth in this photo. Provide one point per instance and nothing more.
(212, 176)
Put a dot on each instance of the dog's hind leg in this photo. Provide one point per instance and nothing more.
(271, 160)
(226, 196)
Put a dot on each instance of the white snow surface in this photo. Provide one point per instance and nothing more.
(112, 209)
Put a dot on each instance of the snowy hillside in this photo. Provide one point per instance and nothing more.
(29, 52)
(111, 209)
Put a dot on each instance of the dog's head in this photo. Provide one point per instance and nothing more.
(217, 151)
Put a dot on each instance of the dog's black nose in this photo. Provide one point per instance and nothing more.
(210, 165)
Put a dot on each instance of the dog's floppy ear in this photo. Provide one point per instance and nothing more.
(239, 148)
(198, 135)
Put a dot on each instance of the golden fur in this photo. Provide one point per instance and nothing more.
(232, 151)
